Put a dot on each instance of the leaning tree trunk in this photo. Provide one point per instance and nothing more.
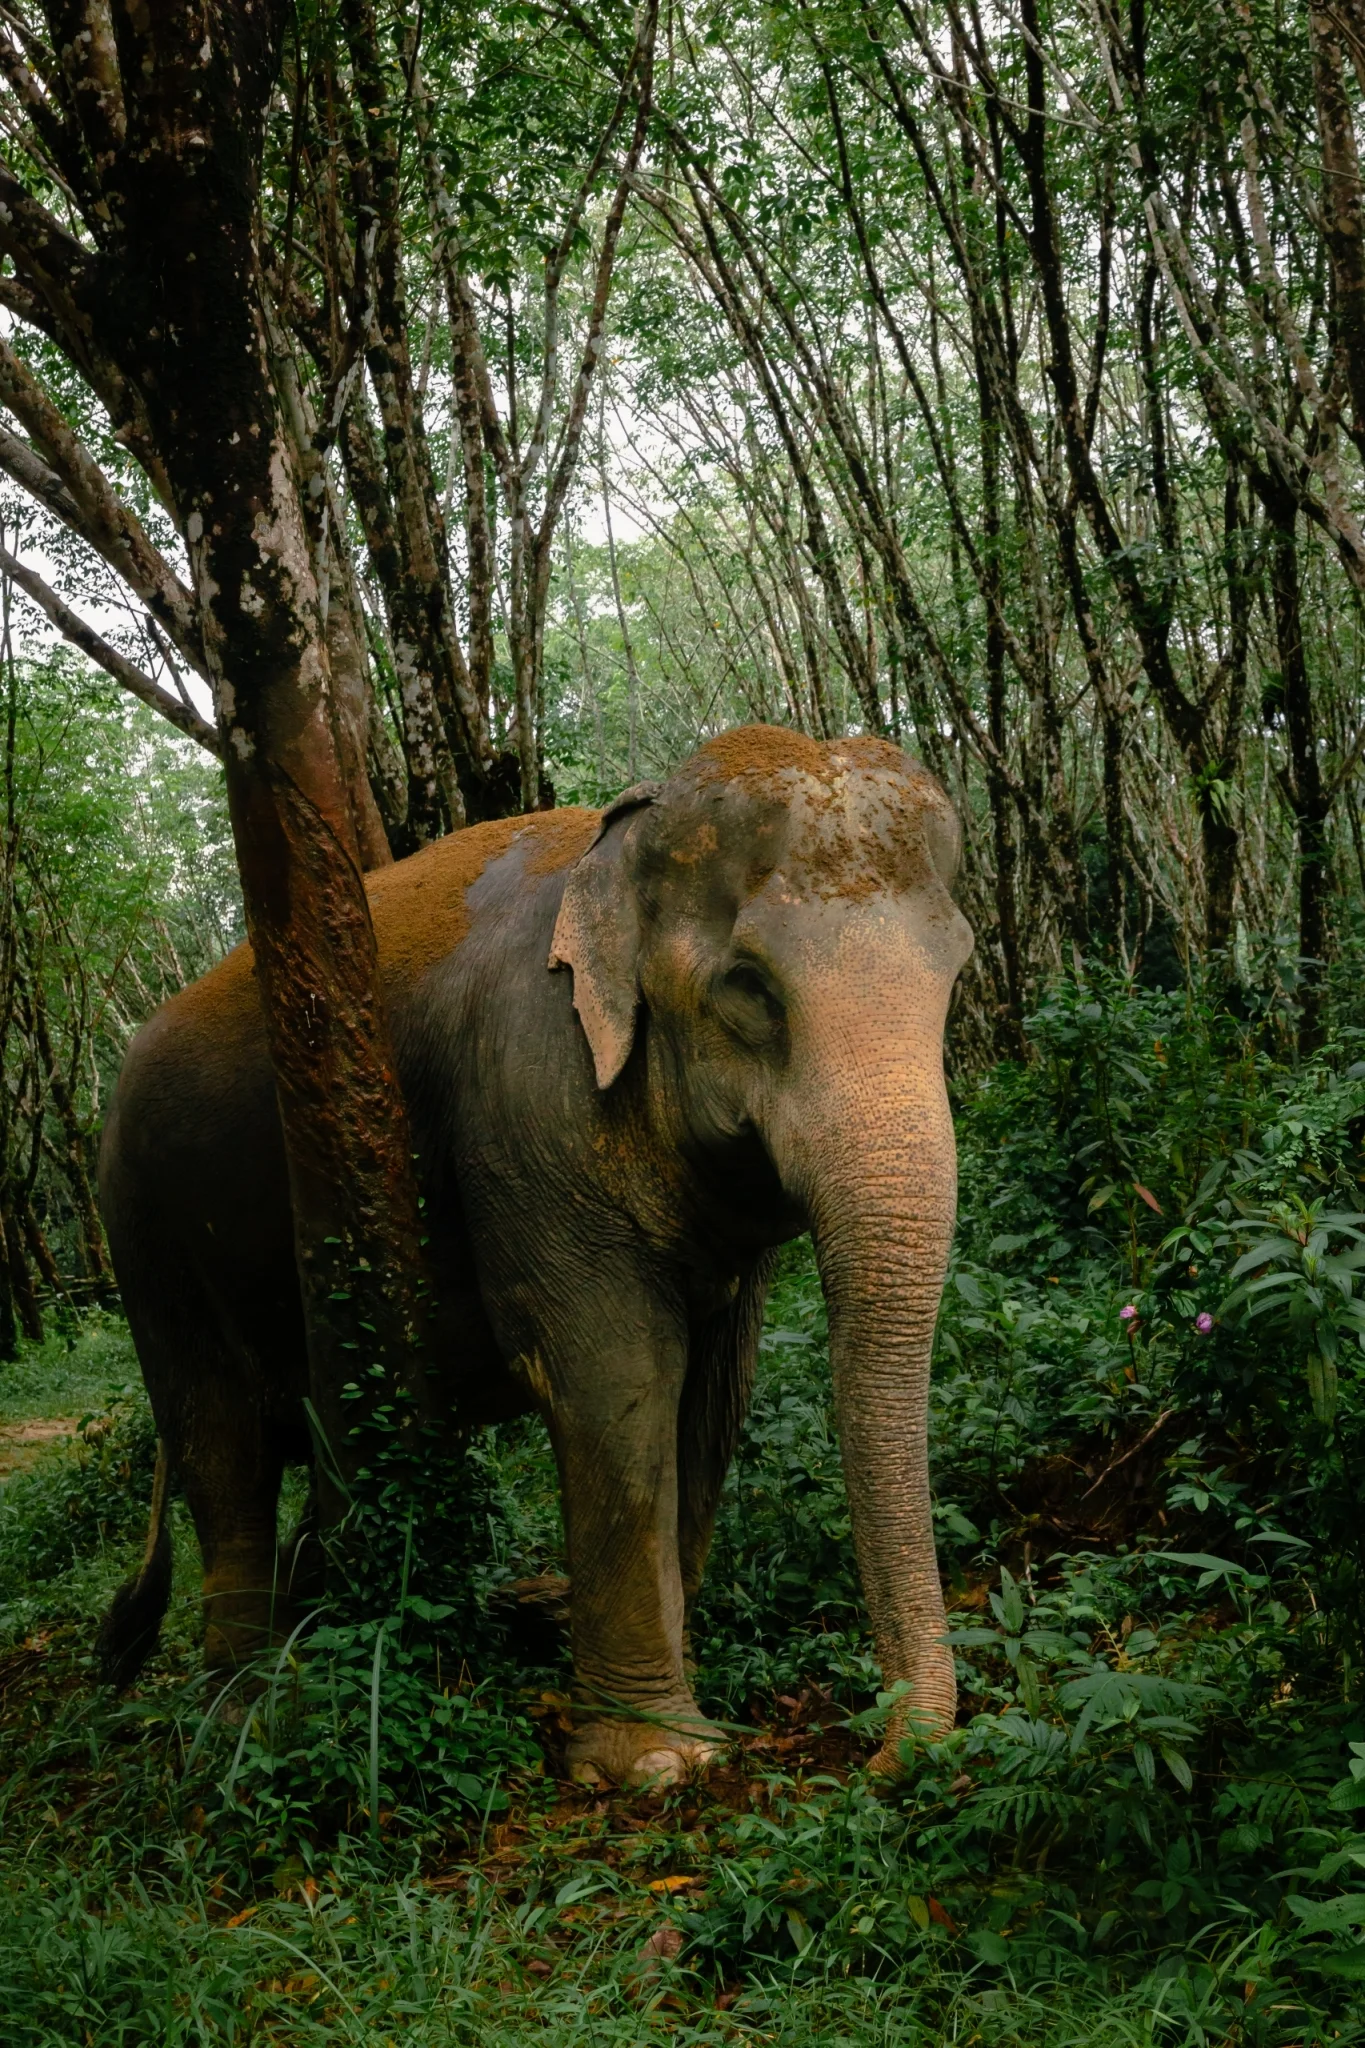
(193, 273)
(168, 316)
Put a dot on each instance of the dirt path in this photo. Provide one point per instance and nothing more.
(21, 1441)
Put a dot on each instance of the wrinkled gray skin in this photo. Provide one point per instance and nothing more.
(645, 1065)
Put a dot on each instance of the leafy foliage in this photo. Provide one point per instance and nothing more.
(1144, 1827)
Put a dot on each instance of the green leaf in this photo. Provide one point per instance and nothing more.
(1199, 1560)
(1178, 1767)
(799, 1929)
(991, 1948)
(1012, 1602)
(1322, 1387)
(1351, 1965)
(1329, 1916)
(1260, 1255)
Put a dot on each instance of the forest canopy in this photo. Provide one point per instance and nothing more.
(991, 384)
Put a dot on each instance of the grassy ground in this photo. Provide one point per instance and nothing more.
(172, 1876)
(1145, 1829)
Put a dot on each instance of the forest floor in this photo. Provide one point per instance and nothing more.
(1144, 1832)
(171, 1877)
(20, 1442)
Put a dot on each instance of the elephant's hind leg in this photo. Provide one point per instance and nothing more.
(234, 1499)
(209, 1377)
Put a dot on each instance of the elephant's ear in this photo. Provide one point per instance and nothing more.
(597, 934)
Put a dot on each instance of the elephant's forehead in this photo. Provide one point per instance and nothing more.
(856, 834)
(846, 817)
(848, 836)
(757, 753)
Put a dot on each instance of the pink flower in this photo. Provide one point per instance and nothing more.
(1128, 1314)
(1203, 1322)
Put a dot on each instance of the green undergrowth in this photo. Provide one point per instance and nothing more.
(76, 1373)
(1148, 1826)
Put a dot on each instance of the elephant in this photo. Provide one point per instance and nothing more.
(642, 1048)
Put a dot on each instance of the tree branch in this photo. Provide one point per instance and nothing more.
(183, 717)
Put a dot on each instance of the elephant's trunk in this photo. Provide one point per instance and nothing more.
(881, 1264)
(877, 1169)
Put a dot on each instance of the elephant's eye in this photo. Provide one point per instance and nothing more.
(749, 1003)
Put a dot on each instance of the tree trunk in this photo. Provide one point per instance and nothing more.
(72, 1154)
(1220, 830)
(1303, 784)
(418, 521)
(171, 113)
(40, 1251)
(433, 802)
(9, 1320)
(1011, 1034)
(22, 1292)
(627, 648)
(1111, 747)
(1341, 208)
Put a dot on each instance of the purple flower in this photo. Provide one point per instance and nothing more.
(1128, 1314)
(1203, 1322)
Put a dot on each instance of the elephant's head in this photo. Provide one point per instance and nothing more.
(771, 935)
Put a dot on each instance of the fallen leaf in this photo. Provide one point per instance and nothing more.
(664, 1941)
(943, 1916)
(669, 1884)
(245, 1914)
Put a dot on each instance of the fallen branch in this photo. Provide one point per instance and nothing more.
(1131, 1452)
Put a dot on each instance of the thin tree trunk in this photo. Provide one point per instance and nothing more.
(1218, 825)
(1303, 783)
(997, 789)
(412, 489)
(20, 1279)
(40, 1251)
(1342, 220)
(72, 1152)
(632, 672)
(9, 1320)
(580, 626)
(433, 800)
(1115, 865)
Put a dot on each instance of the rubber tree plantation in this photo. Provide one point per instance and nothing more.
(682, 928)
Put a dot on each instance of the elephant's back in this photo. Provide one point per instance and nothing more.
(197, 1076)
(420, 905)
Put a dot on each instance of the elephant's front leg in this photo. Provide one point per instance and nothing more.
(613, 1412)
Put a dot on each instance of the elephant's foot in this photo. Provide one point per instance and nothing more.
(641, 1754)
(239, 1626)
